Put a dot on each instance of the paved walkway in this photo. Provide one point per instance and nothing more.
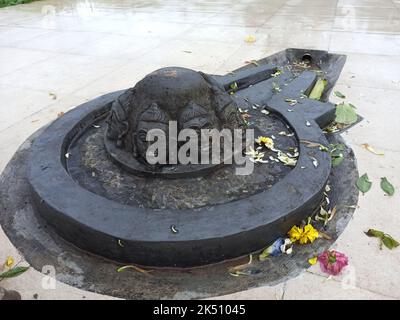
(57, 54)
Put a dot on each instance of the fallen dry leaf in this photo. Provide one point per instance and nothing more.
(136, 268)
(370, 149)
(324, 235)
(311, 144)
(242, 266)
(252, 62)
(60, 114)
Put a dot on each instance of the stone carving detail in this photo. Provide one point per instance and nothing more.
(193, 99)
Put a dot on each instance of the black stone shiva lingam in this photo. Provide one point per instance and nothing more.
(92, 183)
(189, 99)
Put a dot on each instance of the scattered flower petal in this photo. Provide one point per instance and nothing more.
(295, 233)
(255, 155)
(250, 39)
(276, 87)
(9, 262)
(174, 229)
(314, 162)
(284, 133)
(286, 160)
(291, 102)
(309, 234)
(265, 141)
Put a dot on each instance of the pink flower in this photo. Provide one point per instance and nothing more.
(332, 262)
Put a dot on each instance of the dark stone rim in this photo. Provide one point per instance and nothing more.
(206, 235)
(41, 246)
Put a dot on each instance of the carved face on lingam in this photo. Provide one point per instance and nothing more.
(193, 99)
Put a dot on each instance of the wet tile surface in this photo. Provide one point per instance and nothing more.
(81, 49)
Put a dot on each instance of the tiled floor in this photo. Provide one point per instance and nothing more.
(81, 49)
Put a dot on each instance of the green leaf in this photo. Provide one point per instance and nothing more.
(345, 114)
(14, 272)
(339, 95)
(386, 239)
(389, 242)
(387, 187)
(363, 184)
(318, 89)
(337, 147)
(374, 233)
(336, 151)
(336, 160)
(234, 86)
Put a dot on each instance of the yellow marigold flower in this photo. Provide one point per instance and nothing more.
(303, 235)
(268, 142)
(309, 234)
(295, 233)
(9, 262)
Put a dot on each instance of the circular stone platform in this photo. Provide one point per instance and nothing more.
(41, 246)
(82, 179)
